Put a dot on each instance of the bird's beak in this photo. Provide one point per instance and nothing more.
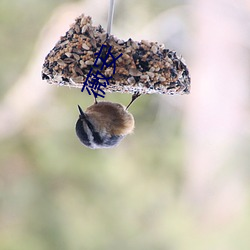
(82, 115)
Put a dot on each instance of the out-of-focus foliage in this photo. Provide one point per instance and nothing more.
(20, 24)
(57, 194)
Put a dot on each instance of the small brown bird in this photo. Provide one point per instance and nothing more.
(104, 125)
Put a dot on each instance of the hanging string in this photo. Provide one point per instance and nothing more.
(110, 16)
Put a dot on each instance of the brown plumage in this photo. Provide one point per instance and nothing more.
(111, 117)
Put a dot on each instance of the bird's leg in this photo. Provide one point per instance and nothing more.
(95, 100)
(134, 97)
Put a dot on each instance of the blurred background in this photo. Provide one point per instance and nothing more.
(180, 182)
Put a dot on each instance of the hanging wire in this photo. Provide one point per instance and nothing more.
(110, 16)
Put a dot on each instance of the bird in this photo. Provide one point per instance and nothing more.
(104, 124)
